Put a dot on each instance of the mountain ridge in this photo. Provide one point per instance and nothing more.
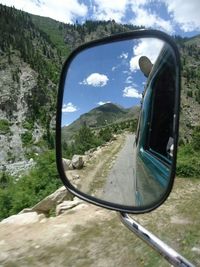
(99, 117)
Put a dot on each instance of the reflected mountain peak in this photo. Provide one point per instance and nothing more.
(110, 107)
(106, 114)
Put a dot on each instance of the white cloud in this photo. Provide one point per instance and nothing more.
(96, 80)
(149, 47)
(148, 19)
(100, 103)
(185, 12)
(124, 55)
(69, 108)
(130, 91)
(109, 9)
(60, 10)
(137, 3)
(38, 2)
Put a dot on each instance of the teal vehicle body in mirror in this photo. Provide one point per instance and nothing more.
(117, 121)
(155, 140)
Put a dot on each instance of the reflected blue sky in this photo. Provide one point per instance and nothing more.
(104, 74)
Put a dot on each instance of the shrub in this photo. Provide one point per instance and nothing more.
(189, 93)
(4, 126)
(85, 139)
(31, 188)
(29, 125)
(188, 162)
(26, 138)
(196, 138)
(105, 134)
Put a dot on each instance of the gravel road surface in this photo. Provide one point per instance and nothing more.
(120, 184)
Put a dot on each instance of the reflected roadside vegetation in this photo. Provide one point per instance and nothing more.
(102, 100)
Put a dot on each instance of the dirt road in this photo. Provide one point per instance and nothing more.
(120, 182)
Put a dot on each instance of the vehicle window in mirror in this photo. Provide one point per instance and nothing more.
(160, 135)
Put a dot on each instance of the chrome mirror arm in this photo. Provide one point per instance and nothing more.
(167, 252)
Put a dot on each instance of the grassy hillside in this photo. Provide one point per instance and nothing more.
(56, 32)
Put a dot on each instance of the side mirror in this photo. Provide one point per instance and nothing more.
(117, 120)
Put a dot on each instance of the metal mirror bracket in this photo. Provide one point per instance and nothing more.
(167, 252)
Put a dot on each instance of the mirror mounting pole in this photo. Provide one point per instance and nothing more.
(167, 252)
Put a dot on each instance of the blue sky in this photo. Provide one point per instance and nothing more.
(107, 73)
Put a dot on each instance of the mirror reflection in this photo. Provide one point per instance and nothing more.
(117, 121)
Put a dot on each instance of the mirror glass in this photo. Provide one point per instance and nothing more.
(117, 121)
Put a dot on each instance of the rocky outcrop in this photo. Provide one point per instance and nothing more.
(66, 205)
(51, 201)
(15, 169)
(18, 81)
(67, 164)
(22, 219)
(77, 162)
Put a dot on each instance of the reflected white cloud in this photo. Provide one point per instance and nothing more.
(114, 68)
(130, 91)
(100, 103)
(134, 63)
(69, 108)
(126, 72)
(129, 79)
(124, 55)
(147, 47)
(96, 80)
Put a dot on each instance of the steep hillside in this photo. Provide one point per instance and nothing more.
(30, 66)
(32, 50)
(66, 37)
(190, 97)
(55, 30)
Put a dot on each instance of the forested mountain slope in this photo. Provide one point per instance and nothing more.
(32, 50)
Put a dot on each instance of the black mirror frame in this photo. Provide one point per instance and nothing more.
(110, 39)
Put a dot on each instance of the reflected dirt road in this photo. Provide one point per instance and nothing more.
(120, 182)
